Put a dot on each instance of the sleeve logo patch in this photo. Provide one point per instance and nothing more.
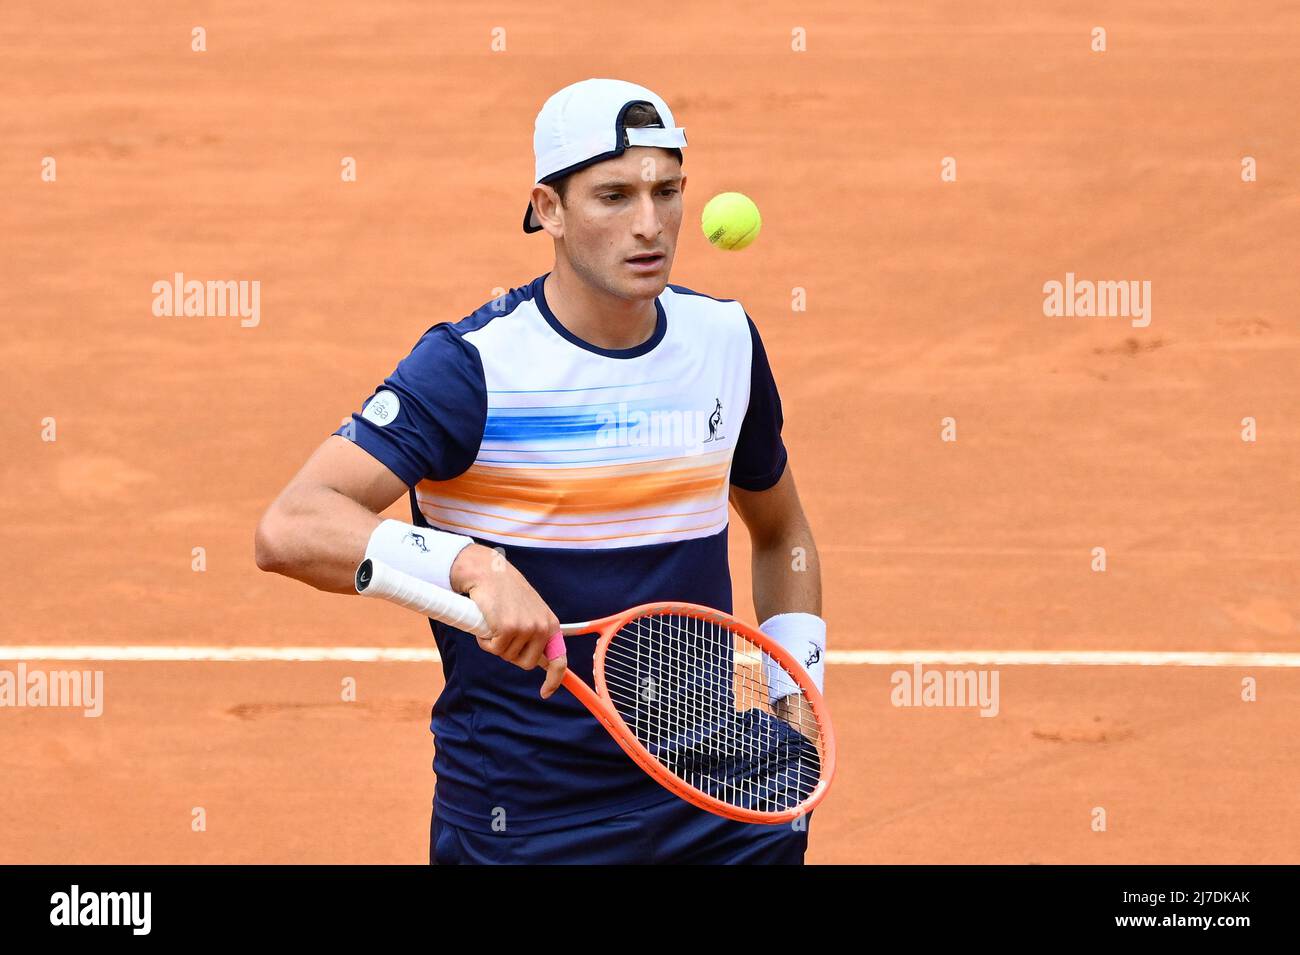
(382, 409)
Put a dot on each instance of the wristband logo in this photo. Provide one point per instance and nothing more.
(382, 408)
(814, 656)
(417, 541)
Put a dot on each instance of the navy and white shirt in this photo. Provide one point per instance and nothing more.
(603, 476)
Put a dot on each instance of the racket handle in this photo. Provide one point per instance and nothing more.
(376, 579)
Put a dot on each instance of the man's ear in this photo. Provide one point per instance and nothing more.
(550, 213)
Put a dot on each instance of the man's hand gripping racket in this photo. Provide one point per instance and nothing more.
(683, 689)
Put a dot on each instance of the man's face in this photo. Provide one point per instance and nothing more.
(620, 221)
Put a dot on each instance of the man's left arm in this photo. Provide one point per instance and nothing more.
(787, 587)
(787, 573)
(786, 569)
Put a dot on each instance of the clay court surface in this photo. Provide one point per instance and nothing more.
(924, 301)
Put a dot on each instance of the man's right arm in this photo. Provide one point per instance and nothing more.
(318, 528)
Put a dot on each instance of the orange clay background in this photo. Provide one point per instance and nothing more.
(924, 301)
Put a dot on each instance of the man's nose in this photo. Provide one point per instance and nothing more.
(647, 224)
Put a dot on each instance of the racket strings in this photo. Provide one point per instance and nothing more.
(715, 710)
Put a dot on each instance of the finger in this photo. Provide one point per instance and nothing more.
(520, 652)
(513, 650)
(555, 646)
(554, 676)
(527, 651)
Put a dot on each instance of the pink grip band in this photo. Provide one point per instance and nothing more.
(555, 646)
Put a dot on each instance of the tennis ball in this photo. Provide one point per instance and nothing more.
(730, 220)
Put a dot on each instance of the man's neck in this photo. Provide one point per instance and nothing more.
(595, 316)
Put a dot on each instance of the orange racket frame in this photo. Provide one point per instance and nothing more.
(598, 701)
(375, 579)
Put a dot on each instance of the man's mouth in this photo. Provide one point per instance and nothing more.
(646, 261)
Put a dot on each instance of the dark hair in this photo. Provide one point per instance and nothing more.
(638, 116)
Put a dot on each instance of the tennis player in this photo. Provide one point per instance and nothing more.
(569, 450)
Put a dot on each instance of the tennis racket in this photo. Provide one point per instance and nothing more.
(714, 710)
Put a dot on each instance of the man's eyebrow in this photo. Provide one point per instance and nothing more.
(616, 184)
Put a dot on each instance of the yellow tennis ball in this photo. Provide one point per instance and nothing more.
(730, 220)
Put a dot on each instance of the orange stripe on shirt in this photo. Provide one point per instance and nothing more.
(591, 491)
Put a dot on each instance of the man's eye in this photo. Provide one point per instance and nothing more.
(670, 192)
(613, 195)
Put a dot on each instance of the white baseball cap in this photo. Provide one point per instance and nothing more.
(582, 125)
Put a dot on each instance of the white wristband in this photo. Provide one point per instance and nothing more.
(803, 636)
(419, 551)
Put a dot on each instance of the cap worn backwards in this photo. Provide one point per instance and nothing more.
(582, 125)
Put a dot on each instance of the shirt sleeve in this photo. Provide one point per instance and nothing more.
(427, 419)
(760, 456)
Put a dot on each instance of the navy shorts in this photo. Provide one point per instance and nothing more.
(670, 833)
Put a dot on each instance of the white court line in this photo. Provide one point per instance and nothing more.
(1122, 658)
(163, 654)
(1070, 552)
(1065, 658)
